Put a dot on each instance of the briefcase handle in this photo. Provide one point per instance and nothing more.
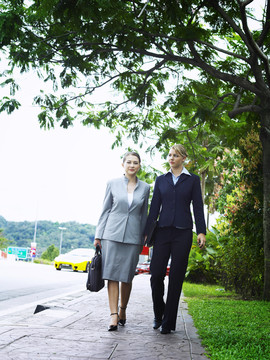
(98, 250)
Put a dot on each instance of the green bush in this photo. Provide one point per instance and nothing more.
(240, 228)
(3, 241)
(242, 262)
(43, 261)
(230, 258)
(204, 264)
(50, 253)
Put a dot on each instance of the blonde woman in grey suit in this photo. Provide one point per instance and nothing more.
(120, 234)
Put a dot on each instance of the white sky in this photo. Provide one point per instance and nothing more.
(58, 174)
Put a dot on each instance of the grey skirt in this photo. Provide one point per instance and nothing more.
(119, 260)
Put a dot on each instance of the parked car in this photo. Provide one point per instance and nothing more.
(144, 268)
(77, 260)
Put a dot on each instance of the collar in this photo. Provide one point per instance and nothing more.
(126, 180)
(184, 171)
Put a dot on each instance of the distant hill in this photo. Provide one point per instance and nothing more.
(21, 234)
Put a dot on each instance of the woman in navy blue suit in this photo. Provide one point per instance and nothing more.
(173, 194)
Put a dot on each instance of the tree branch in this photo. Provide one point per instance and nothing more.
(248, 108)
(236, 80)
(149, 71)
(230, 21)
(247, 2)
(191, 144)
(183, 40)
(220, 100)
(196, 61)
(126, 101)
(266, 26)
(252, 43)
(115, 108)
(90, 91)
(223, 51)
(189, 129)
(143, 8)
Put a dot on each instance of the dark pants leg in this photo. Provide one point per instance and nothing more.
(158, 267)
(175, 243)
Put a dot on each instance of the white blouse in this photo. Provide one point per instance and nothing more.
(130, 198)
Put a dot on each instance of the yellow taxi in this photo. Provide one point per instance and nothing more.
(77, 260)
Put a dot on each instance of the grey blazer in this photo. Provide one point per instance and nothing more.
(118, 222)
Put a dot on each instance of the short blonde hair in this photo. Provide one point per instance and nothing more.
(180, 149)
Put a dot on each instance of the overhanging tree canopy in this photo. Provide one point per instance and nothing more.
(138, 47)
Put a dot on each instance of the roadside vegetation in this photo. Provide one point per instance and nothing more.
(20, 234)
(234, 253)
(43, 261)
(3, 241)
(50, 254)
(230, 328)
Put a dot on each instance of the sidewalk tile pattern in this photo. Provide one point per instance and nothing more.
(75, 328)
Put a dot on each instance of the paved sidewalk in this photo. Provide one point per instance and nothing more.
(75, 327)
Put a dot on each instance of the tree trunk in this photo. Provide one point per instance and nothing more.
(265, 139)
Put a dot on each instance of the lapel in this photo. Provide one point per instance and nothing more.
(182, 178)
(168, 177)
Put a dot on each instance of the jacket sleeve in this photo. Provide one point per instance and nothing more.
(145, 210)
(154, 207)
(107, 206)
(198, 209)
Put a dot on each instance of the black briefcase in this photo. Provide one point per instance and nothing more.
(94, 280)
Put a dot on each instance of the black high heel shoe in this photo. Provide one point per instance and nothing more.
(122, 322)
(113, 327)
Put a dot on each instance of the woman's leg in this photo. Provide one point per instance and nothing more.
(158, 267)
(181, 241)
(125, 290)
(113, 294)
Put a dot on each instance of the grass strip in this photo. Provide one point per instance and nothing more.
(230, 328)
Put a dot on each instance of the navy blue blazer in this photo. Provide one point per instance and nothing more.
(172, 203)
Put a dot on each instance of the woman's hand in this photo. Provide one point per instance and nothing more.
(97, 242)
(201, 240)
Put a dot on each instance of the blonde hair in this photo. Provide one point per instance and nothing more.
(180, 149)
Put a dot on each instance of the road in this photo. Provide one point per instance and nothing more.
(24, 284)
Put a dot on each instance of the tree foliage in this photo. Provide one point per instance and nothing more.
(240, 230)
(234, 256)
(3, 241)
(141, 50)
(50, 253)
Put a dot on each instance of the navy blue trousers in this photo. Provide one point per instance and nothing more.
(174, 243)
